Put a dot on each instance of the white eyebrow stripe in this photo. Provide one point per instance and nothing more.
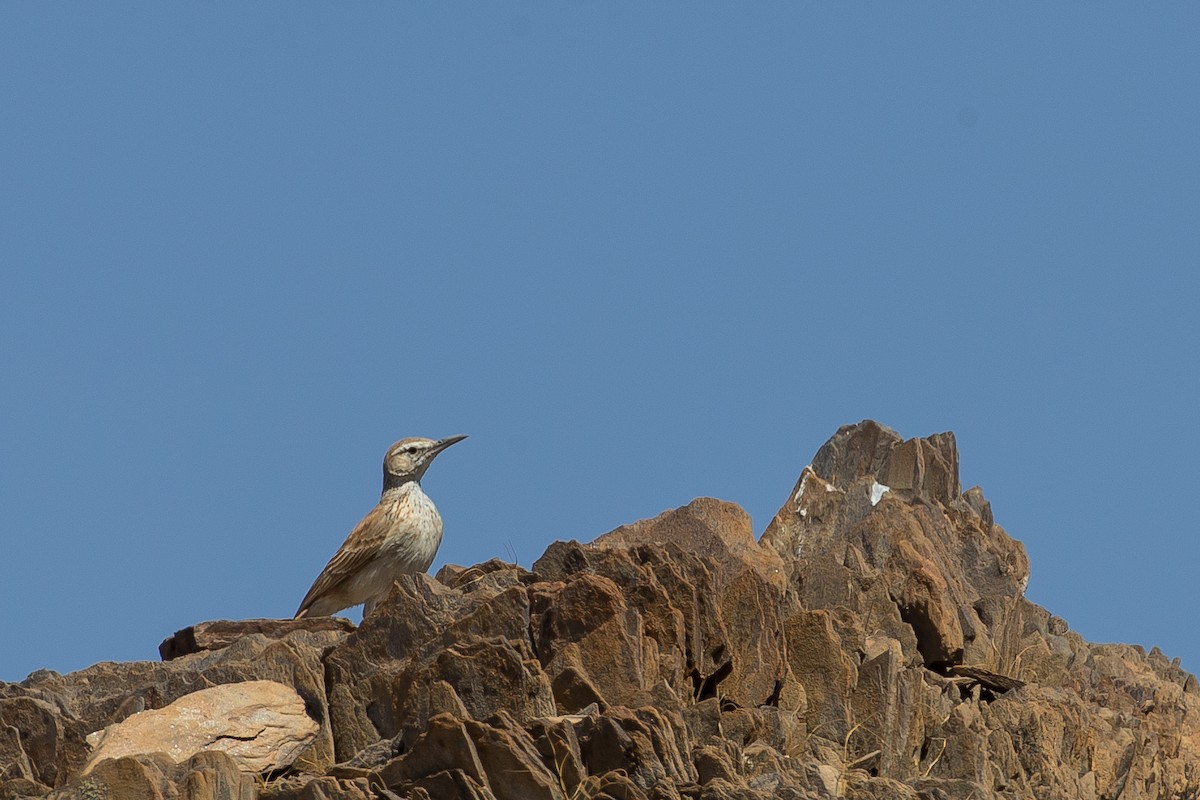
(402, 446)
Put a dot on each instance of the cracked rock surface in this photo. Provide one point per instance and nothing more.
(261, 725)
(874, 642)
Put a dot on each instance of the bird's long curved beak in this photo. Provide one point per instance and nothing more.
(449, 440)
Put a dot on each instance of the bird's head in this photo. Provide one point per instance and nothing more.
(408, 459)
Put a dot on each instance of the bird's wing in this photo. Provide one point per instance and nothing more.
(360, 547)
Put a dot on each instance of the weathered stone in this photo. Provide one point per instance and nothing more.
(885, 700)
(823, 669)
(643, 743)
(992, 681)
(615, 785)
(431, 649)
(854, 451)
(37, 743)
(107, 692)
(321, 789)
(590, 643)
(752, 611)
(262, 725)
(703, 721)
(205, 776)
(710, 598)
(493, 575)
(925, 604)
(636, 572)
(452, 784)
(710, 529)
(695, 654)
(672, 592)
(126, 777)
(713, 763)
(511, 762)
(487, 676)
(878, 533)
(605, 745)
(748, 582)
(928, 468)
(445, 745)
(558, 747)
(875, 644)
(213, 775)
(740, 726)
(221, 633)
(19, 788)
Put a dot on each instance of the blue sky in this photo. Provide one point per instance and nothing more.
(639, 254)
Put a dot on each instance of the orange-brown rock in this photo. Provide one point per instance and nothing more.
(219, 634)
(261, 725)
(874, 643)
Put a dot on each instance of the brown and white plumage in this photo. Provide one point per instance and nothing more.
(401, 535)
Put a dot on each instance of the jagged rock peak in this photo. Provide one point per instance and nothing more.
(881, 511)
(926, 467)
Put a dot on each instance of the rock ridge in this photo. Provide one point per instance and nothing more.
(874, 642)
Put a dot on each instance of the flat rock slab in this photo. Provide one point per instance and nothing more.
(261, 725)
(219, 634)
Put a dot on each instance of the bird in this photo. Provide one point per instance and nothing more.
(399, 536)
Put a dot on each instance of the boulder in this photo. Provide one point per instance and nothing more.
(261, 725)
(44, 754)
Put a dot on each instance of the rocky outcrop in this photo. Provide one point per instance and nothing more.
(44, 719)
(875, 643)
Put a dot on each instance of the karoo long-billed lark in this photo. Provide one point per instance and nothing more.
(401, 535)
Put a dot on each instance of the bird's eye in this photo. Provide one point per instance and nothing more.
(410, 449)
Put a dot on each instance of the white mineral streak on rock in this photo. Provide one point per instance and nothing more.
(804, 473)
